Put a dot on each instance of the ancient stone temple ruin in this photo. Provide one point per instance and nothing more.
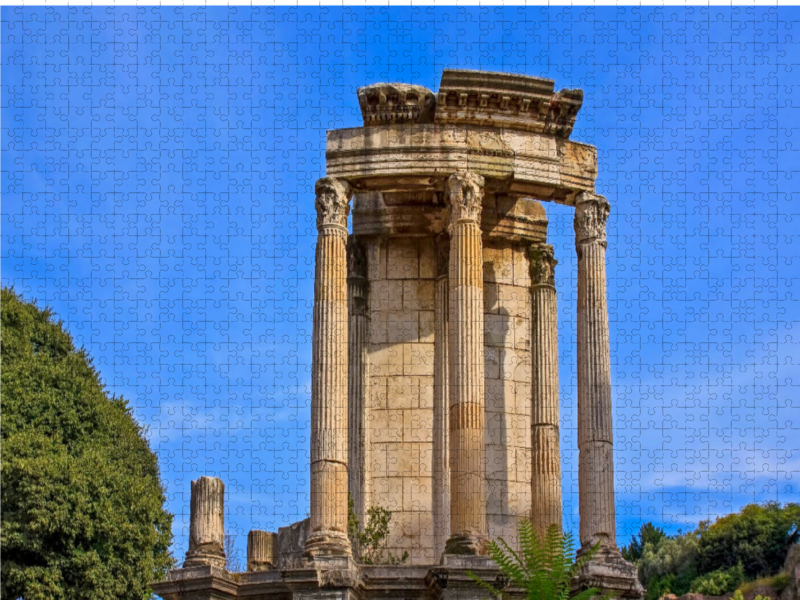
(435, 389)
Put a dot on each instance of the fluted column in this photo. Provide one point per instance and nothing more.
(546, 456)
(467, 451)
(595, 440)
(357, 375)
(329, 415)
(262, 550)
(441, 398)
(206, 524)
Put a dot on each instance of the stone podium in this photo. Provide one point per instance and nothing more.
(435, 346)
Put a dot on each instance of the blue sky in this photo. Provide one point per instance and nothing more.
(157, 185)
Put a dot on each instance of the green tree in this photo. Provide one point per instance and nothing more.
(669, 565)
(648, 534)
(82, 501)
(543, 568)
(758, 537)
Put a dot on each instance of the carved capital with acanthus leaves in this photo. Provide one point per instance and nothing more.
(333, 202)
(591, 214)
(465, 196)
(543, 265)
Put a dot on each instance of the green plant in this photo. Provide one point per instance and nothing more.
(83, 505)
(759, 537)
(777, 582)
(669, 565)
(648, 534)
(738, 595)
(719, 582)
(369, 544)
(543, 568)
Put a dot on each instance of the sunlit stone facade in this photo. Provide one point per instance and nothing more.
(435, 390)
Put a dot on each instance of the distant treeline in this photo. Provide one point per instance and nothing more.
(717, 558)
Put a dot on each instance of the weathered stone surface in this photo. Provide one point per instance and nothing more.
(546, 459)
(207, 524)
(507, 100)
(262, 550)
(434, 361)
(292, 545)
(467, 440)
(329, 377)
(394, 103)
(420, 157)
(610, 573)
(791, 568)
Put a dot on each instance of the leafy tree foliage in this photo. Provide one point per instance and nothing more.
(82, 501)
(648, 534)
(543, 568)
(669, 565)
(758, 537)
(716, 558)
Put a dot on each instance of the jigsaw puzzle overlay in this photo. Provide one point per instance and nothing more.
(158, 170)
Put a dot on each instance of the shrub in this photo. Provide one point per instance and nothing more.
(777, 582)
(671, 555)
(758, 537)
(719, 582)
(369, 545)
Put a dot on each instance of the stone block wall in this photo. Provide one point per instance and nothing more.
(401, 274)
(507, 384)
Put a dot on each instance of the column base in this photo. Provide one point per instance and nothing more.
(205, 557)
(467, 545)
(322, 544)
(610, 573)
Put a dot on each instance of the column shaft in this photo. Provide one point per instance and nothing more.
(207, 524)
(329, 415)
(467, 446)
(262, 550)
(441, 400)
(546, 503)
(357, 376)
(595, 441)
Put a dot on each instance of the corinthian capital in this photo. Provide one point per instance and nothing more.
(543, 265)
(333, 202)
(465, 194)
(591, 214)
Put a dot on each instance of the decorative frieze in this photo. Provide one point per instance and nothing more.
(391, 103)
(507, 100)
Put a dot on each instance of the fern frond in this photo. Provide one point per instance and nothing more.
(483, 585)
(580, 562)
(508, 562)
